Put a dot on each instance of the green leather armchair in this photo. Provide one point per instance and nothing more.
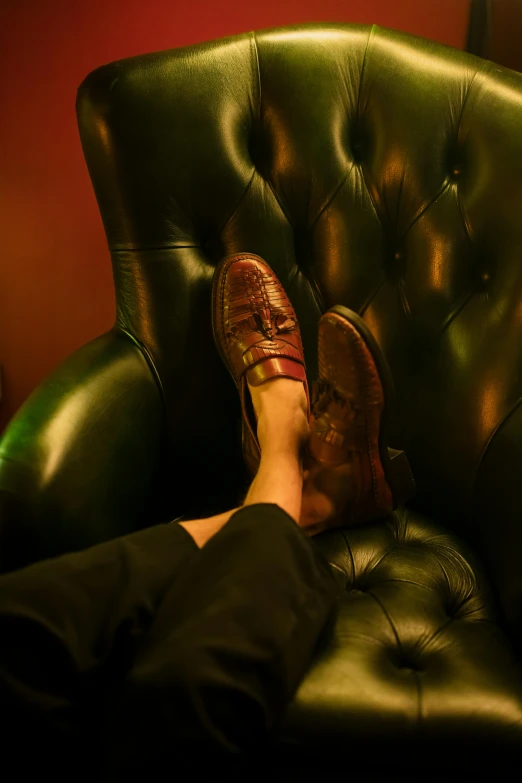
(372, 169)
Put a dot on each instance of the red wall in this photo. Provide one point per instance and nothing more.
(55, 279)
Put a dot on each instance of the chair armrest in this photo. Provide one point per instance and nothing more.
(78, 460)
(497, 518)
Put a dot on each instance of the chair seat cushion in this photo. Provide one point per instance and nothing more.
(416, 661)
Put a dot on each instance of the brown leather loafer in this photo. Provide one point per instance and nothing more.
(256, 332)
(347, 448)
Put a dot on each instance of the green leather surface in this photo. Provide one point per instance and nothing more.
(78, 462)
(363, 167)
(417, 668)
(371, 169)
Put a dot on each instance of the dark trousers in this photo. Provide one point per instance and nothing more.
(147, 648)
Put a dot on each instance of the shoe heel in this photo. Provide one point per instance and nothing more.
(400, 477)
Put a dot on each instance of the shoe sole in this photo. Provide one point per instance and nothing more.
(395, 464)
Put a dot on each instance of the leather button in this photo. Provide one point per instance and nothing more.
(256, 147)
(409, 666)
(409, 669)
(357, 151)
(484, 279)
(454, 612)
(356, 144)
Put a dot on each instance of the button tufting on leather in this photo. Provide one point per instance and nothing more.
(406, 662)
(395, 263)
(453, 610)
(454, 162)
(213, 248)
(483, 278)
(357, 145)
(256, 150)
(357, 151)
(409, 667)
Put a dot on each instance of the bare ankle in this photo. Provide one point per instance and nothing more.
(283, 434)
(282, 416)
(278, 396)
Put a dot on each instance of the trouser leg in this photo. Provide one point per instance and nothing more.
(229, 645)
(69, 626)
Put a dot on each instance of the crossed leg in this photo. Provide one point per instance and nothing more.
(213, 630)
(280, 407)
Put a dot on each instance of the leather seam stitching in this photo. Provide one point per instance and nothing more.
(487, 446)
(390, 621)
(438, 632)
(391, 549)
(372, 296)
(281, 204)
(275, 195)
(465, 220)
(350, 553)
(361, 77)
(480, 68)
(445, 186)
(467, 225)
(255, 51)
(242, 197)
(358, 118)
(406, 582)
(236, 208)
(330, 199)
(404, 299)
(451, 317)
(345, 177)
(150, 361)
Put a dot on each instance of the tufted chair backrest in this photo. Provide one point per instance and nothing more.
(370, 168)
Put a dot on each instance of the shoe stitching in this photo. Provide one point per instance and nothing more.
(227, 353)
(275, 284)
(221, 312)
(362, 357)
(257, 289)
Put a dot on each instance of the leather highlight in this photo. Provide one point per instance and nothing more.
(375, 170)
(257, 334)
